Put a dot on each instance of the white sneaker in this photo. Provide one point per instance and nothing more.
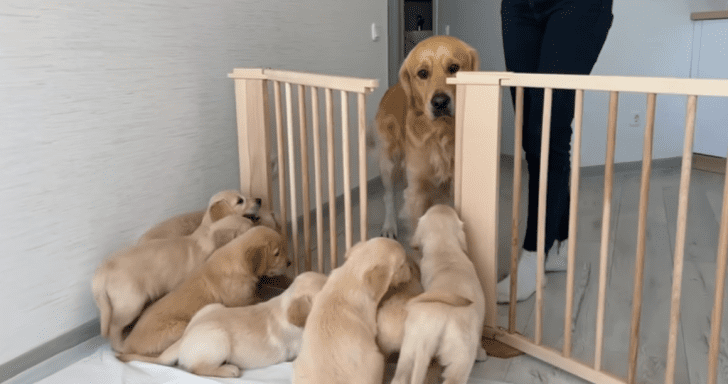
(557, 257)
(527, 268)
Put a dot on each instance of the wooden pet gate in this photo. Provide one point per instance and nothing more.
(478, 131)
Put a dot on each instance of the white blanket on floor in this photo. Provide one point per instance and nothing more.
(103, 367)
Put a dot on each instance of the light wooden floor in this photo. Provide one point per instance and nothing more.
(698, 279)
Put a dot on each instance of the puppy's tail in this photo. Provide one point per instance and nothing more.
(98, 287)
(168, 357)
(443, 298)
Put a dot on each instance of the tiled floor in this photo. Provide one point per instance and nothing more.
(698, 283)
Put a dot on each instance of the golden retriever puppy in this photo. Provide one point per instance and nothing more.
(446, 321)
(184, 224)
(416, 127)
(221, 341)
(230, 276)
(129, 279)
(339, 342)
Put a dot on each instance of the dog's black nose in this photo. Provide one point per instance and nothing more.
(258, 201)
(440, 101)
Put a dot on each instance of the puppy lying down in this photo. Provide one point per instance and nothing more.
(230, 276)
(339, 341)
(221, 341)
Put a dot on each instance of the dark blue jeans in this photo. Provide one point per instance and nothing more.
(551, 36)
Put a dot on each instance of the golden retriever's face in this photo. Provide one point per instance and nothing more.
(381, 263)
(425, 69)
(231, 202)
(440, 221)
(266, 252)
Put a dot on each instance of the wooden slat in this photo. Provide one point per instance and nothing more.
(281, 160)
(459, 117)
(634, 338)
(317, 179)
(347, 167)
(292, 178)
(542, 188)
(716, 317)
(331, 151)
(573, 219)
(659, 85)
(363, 202)
(517, 174)
(346, 83)
(682, 217)
(555, 359)
(305, 187)
(606, 220)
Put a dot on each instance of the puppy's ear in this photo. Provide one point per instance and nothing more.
(219, 209)
(298, 311)
(377, 280)
(258, 260)
(416, 239)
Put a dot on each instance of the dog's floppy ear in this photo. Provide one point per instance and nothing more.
(416, 239)
(298, 311)
(258, 260)
(405, 79)
(474, 59)
(219, 209)
(377, 279)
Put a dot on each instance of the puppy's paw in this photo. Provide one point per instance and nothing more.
(252, 217)
(228, 370)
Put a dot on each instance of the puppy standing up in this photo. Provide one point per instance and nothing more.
(221, 341)
(230, 276)
(129, 279)
(416, 127)
(339, 341)
(446, 321)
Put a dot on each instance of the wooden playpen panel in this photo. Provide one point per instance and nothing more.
(251, 93)
(478, 124)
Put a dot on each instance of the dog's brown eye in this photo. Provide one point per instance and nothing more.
(240, 200)
(422, 74)
(454, 68)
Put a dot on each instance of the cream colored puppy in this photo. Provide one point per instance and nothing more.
(222, 203)
(446, 321)
(129, 279)
(221, 341)
(230, 276)
(339, 341)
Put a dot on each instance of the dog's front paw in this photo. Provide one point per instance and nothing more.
(389, 232)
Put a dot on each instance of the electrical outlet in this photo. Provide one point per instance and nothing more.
(635, 119)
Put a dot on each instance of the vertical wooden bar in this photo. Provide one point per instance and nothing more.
(517, 174)
(573, 219)
(716, 318)
(606, 219)
(682, 218)
(634, 339)
(331, 151)
(251, 99)
(542, 189)
(347, 170)
(317, 178)
(303, 138)
(479, 129)
(281, 161)
(292, 178)
(457, 172)
(363, 205)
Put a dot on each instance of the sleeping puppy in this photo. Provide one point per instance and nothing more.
(221, 341)
(416, 127)
(446, 321)
(230, 276)
(186, 223)
(339, 341)
(132, 277)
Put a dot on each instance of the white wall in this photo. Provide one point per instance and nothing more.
(116, 115)
(647, 38)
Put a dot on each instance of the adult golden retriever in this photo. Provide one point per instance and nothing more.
(416, 127)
